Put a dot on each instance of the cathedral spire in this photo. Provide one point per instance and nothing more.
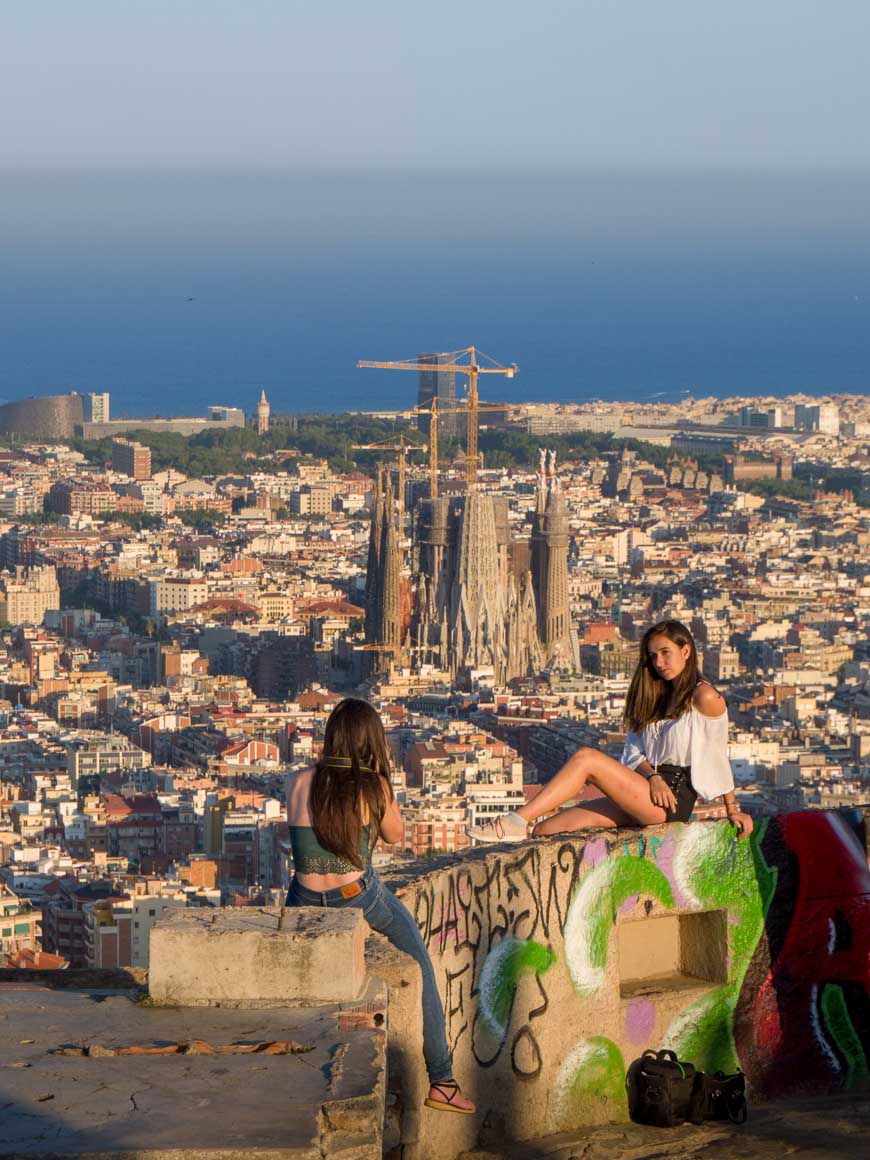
(555, 621)
(391, 570)
(373, 562)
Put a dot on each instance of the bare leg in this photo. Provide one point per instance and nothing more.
(600, 812)
(625, 788)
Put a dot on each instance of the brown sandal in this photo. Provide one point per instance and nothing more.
(451, 1090)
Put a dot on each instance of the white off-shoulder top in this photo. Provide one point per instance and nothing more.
(694, 740)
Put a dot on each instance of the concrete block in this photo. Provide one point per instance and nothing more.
(257, 957)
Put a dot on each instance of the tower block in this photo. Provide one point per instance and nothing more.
(263, 412)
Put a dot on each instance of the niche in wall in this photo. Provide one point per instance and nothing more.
(672, 952)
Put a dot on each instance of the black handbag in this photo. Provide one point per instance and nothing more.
(662, 1089)
(722, 1097)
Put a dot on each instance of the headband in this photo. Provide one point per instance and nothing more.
(345, 763)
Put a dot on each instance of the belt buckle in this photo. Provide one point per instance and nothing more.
(351, 890)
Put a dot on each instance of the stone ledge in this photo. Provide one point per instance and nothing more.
(257, 957)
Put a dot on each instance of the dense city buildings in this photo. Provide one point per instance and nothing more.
(172, 646)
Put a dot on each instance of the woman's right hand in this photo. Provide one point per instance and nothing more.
(661, 793)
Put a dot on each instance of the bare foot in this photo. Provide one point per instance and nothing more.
(446, 1097)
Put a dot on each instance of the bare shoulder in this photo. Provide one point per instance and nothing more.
(297, 788)
(707, 701)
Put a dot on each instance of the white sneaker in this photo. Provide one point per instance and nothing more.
(505, 828)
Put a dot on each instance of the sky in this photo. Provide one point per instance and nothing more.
(200, 198)
(641, 84)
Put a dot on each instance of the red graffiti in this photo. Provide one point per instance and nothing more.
(782, 1039)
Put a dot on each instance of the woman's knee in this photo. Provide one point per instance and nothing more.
(584, 757)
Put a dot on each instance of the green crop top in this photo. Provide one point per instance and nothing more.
(309, 857)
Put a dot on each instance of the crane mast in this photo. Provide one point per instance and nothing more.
(402, 446)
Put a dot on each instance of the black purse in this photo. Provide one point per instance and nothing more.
(665, 1091)
(722, 1097)
(660, 1089)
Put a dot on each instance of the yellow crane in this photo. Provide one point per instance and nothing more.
(402, 446)
(433, 411)
(471, 370)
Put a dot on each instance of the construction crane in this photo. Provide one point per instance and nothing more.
(471, 370)
(433, 411)
(402, 446)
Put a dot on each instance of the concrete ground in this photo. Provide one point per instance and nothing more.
(325, 1099)
(821, 1128)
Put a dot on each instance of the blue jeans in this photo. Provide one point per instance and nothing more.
(386, 914)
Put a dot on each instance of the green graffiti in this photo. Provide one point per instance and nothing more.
(505, 964)
(593, 911)
(721, 873)
(592, 1077)
(766, 876)
(703, 1032)
(842, 1030)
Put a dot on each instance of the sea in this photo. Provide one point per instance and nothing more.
(176, 288)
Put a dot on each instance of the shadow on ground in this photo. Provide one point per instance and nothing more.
(825, 1128)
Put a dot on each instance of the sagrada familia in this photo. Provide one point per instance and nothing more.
(476, 598)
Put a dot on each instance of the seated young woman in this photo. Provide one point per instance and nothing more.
(336, 812)
(676, 749)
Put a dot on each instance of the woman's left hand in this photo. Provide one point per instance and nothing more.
(743, 822)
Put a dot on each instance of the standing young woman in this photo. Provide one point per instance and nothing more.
(336, 812)
(676, 749)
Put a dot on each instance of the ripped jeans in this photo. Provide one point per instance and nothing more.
(385, 914)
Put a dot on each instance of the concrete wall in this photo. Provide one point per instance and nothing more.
(561, 960)
(181, 426)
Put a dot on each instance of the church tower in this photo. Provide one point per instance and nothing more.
(373, 564)
(550, 564)
(556, 620)
(263, 411)
(391, 569)
(539, 545)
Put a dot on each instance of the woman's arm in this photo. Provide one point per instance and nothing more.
(633, 757)
(712, 704)
(392, 827)
(742, 821)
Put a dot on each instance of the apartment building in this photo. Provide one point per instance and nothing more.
(170, 594)
(71, 496)
(28, 594)
(131, 458)
(105, 754)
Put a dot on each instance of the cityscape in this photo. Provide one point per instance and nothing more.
(411, 749)
(173, 640)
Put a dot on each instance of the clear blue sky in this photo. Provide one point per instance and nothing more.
(451, 83)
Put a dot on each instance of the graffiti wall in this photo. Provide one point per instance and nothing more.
(562, 960)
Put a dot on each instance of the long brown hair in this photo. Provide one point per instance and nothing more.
(351, 779)
(649, 694)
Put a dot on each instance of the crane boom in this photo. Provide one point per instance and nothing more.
(455, 368)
